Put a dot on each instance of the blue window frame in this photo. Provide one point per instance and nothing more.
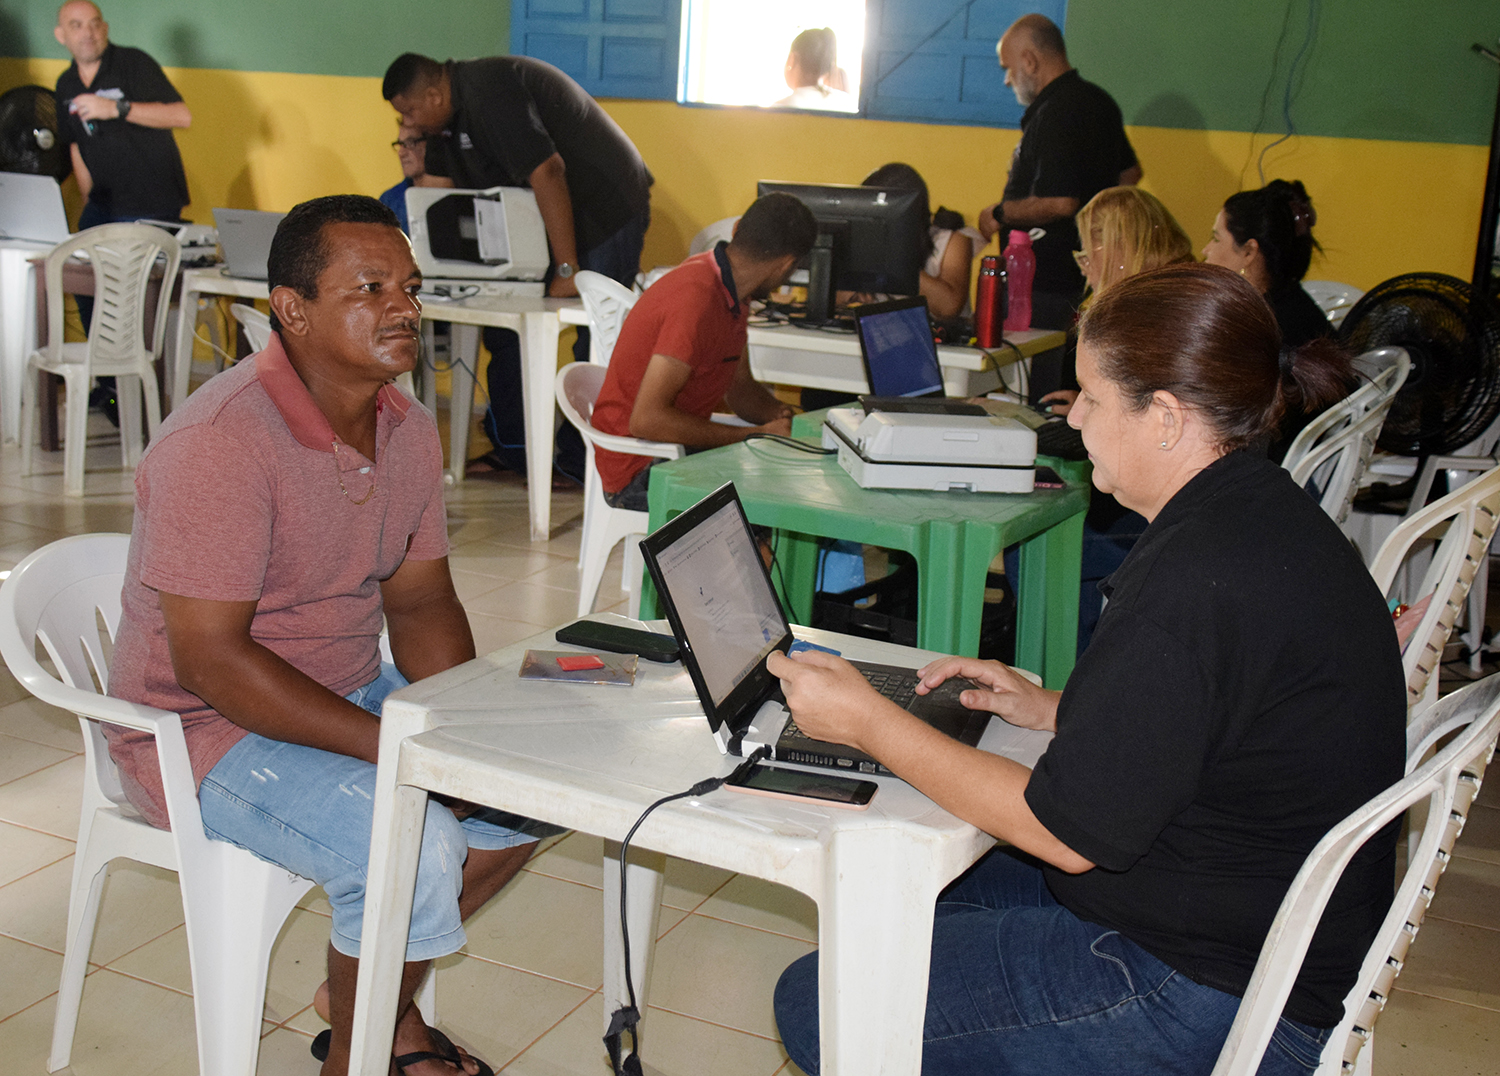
(612, 48)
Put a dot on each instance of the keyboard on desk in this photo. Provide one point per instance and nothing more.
(1057, 438)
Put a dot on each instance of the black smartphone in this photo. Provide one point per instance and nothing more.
(762, 780)
(1047, 478)
(592, 635)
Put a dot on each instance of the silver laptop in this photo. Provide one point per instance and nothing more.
(245, 237)
(31, 207)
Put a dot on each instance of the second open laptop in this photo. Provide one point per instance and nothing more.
(901, 360)
(31, 207)
(718, 597)
(245, 237)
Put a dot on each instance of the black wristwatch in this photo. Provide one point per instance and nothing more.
(124, 107)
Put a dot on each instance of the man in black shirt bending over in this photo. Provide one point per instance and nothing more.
(517, 122)
(116, 111)
(1073, 146)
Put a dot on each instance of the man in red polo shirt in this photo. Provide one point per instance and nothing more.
(291, 505)
(682, 348)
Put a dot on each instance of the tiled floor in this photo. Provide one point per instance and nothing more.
(525, 993)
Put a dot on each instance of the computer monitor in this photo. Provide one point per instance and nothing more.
(879, 233)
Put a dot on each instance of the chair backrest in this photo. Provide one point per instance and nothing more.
(1448, 781)
(1330, 455)
(257, 326)
(1333, 298)
(66, 596)
(1461, 524)
(122, 256)
(576, 388)
(607, 303)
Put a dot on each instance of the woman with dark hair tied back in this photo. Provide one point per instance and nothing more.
(1266, 237)
(949, 247)
(1242, 694)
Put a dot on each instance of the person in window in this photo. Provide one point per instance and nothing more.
(1266, 236)
(812, 74)
(1242, 695)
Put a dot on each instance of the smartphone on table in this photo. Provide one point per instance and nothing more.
(830, 789)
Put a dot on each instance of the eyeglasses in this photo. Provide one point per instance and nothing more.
(408, 143)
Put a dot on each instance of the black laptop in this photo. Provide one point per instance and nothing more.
(727, 619)
(901, 361)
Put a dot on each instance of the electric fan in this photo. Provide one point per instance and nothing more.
(28, 134)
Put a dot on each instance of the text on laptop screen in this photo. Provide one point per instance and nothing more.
(729, 614)
(902, 356)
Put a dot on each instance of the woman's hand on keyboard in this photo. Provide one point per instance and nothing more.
(1002, 691)
(829, 698)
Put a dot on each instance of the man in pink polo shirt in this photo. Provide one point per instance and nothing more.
(292, 504)
(682, 348)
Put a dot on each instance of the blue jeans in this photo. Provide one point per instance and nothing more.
(310, 811)
(1021, 985)
(619, 258)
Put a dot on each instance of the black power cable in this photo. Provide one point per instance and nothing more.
(629, 1016)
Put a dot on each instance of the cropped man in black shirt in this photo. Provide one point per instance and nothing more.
(1073, 146)
(517, 122)
(117, 110)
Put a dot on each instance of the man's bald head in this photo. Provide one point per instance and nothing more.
(1033, 54)
(81, 30)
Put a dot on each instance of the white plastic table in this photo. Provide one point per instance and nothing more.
(794, 355)
(197, 283)
(17, 326)
(592, 758)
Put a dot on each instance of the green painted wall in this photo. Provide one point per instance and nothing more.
(321, 37)
(1387, 69)
(1383, 69)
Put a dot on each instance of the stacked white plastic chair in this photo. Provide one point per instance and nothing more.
(1455, 532)
(122, 256)
(1330, 454)
(257, 326)
(1333, 298)
(234, 903)
(1446, 784)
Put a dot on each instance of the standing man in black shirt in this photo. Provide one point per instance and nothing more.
(518, 122)
(1072, 146)
(117, 111)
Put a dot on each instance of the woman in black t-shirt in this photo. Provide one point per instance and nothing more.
(1242, 694)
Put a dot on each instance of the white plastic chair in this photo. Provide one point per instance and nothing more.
(123, 256)
(1330, 454)
(1447, 783)
(1457, 528)
(577, 387)
(257, 326)
(234, 903)
(1333, 298)
(607, 302)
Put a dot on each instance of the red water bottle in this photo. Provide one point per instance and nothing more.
(989, 302)
(1020, 271)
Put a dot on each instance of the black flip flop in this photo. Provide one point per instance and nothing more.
(321, 1041)
(446, 1052)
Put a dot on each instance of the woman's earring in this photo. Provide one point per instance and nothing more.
(1163, 444)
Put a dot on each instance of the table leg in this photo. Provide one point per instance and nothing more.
(17, 332)
(182, 349)
(539, 333)
(395, 845)
(1047, 600)
(643, 913)
(797, 555)
(873, 955)
(463, 349)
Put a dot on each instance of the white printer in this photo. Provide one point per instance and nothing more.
(492, 239)
(977, 453)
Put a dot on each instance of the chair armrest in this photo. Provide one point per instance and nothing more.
(635, 446)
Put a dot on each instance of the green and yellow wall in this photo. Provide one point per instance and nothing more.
(1392, 112)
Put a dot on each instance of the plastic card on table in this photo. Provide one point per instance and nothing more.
(610, 668)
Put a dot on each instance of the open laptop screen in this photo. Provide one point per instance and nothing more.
(900, 356)
(722, 599)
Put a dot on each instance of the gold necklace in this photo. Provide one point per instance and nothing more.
(339, 473)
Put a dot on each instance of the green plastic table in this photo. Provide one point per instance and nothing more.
(953, 537)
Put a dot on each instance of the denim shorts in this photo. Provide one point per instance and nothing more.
(1020, 985)
(310, 811)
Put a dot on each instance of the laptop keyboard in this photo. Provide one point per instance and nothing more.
(1057, 438)
(897, 685)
